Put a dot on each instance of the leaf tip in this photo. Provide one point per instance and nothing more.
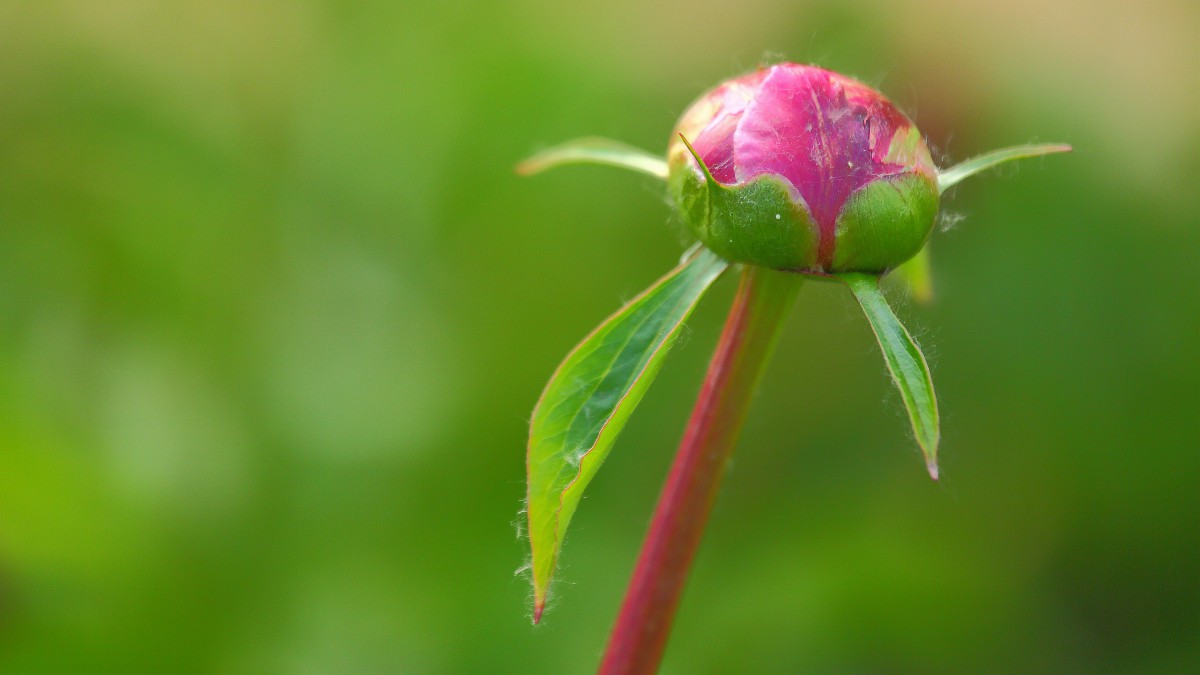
(539, 606)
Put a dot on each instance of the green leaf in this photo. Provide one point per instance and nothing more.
(916, 277)
(956, 173)
(589, 398)
(595, 151)
(904, 361)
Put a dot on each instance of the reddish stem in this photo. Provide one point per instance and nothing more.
(640, 634)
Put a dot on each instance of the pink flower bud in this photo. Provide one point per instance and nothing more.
(803, 169)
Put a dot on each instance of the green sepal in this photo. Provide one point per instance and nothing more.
(884, 223)
(589, 398)
(761, 221)
(962, 170)
(595, 151)
(905, 362)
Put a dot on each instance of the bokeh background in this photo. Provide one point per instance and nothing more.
(274, 310)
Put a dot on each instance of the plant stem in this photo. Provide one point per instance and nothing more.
(644, 623)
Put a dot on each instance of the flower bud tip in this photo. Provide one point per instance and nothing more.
(932, 466)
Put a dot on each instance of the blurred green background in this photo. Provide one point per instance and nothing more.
(274, 310)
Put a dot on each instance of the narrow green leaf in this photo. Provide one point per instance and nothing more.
(589, 398)
(904, 361)
(595, 151)
(916, 276)
(955, 174)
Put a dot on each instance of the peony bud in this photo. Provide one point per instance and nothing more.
(798, 168)
(791, 168)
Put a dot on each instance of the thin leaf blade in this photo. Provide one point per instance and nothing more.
(905, 362)
(590, 396)
(955, 174)
(595, 151)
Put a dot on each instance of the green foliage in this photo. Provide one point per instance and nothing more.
(589, 397)
(595, 151)
(905, 362)
(965, 169)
